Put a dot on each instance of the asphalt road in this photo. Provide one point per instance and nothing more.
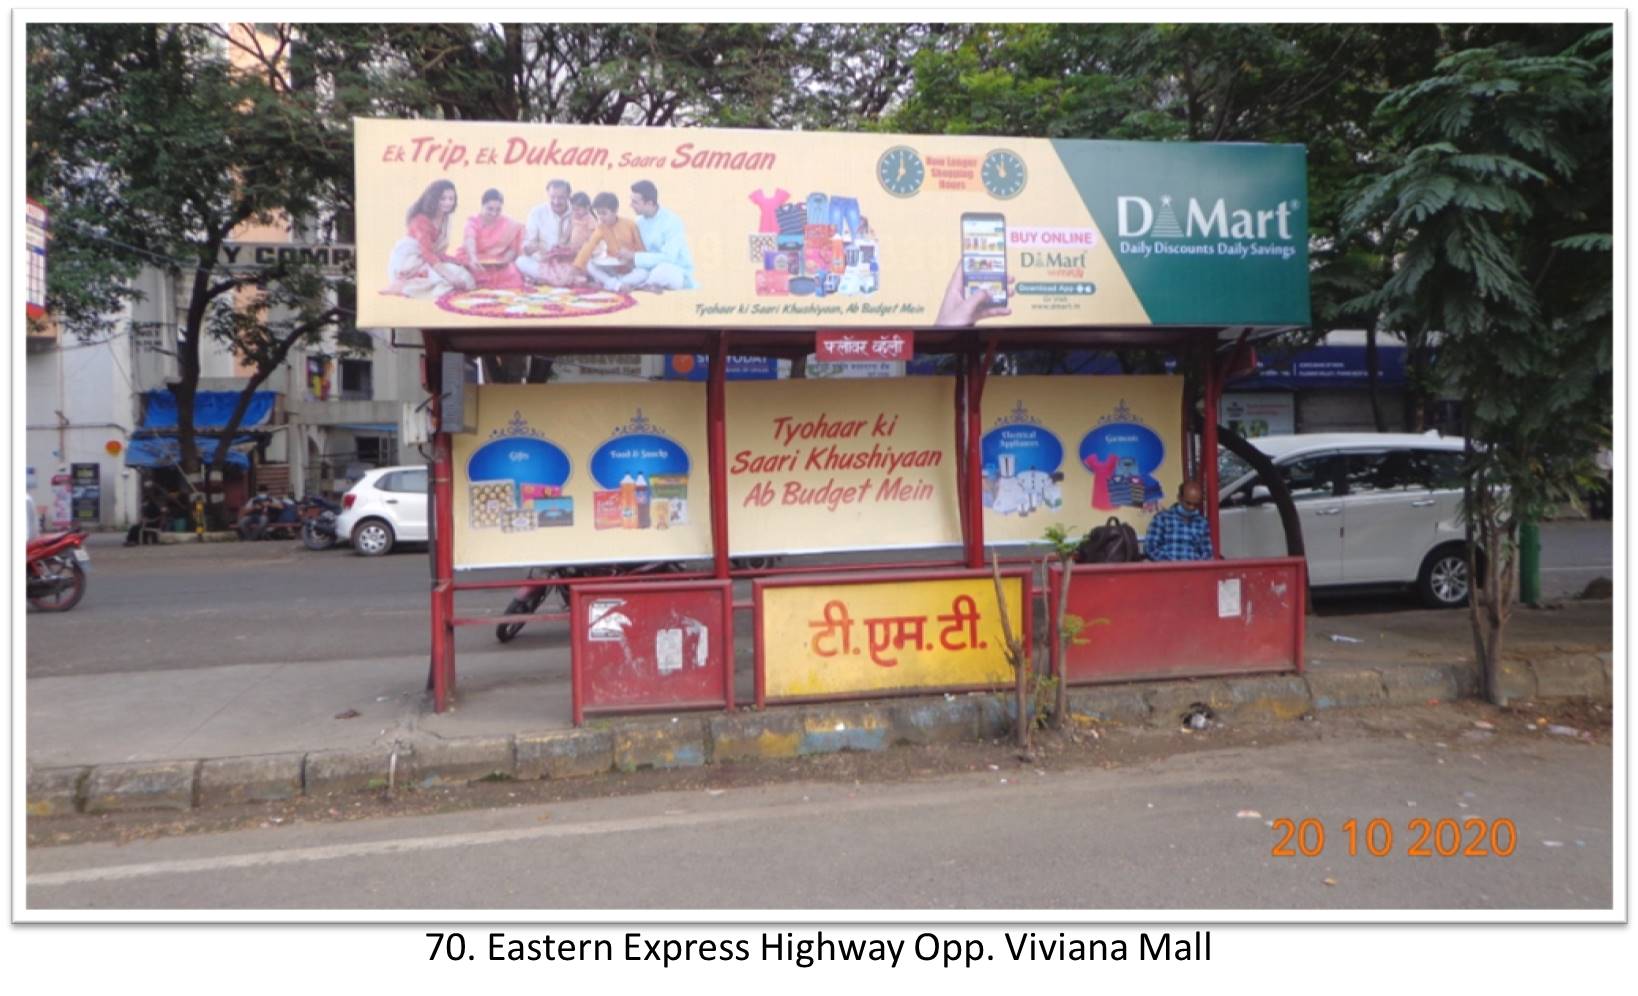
(1187, 831)
(190, 606)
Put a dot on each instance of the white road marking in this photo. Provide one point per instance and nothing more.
(409, 845)
(261, 859)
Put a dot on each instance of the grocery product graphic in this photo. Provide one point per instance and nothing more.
(517, 479)
(642, 478)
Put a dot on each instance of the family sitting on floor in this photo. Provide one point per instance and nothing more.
(569, 241)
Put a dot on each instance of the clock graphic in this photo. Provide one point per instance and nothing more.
(1003, 173)
(901, 171)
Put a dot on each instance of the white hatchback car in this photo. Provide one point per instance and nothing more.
(1377, 509)
(388, 505)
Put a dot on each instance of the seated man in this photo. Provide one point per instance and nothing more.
(1181, 532)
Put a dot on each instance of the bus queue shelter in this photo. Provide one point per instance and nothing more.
(763, 244)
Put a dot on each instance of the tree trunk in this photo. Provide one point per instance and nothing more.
(1060, 698)
(1372, 375)
(1270, 477)
(1014, 649)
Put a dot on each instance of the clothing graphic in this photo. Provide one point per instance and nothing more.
(580, 231)
(793, 219)
(493, 239)
(845, 211)
(770, 208)
(666, 243)
(1101, 471)
(1178, 533)
(761, 246)
(818, 209)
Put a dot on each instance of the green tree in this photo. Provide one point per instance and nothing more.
(150, 148)
(1499, 197)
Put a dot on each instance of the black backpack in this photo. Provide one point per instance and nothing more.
(1114, 542)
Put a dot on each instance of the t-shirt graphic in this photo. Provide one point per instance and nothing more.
(1101, 471)
(770, 208)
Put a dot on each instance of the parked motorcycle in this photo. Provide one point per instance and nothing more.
(528, 598)
(318, 523)
(55, 571)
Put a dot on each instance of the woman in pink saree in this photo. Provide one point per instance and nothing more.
(420, 264)
(493, 242)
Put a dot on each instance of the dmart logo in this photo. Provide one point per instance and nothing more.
(1138, 218)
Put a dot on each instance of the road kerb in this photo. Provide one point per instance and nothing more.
(693, 739)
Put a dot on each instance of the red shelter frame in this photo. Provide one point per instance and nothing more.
(1210, 352)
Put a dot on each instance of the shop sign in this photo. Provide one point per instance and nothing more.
(863, 347)
(817, 466)
(87, 493)
(843, 638)
(582, 473)
(1077, 451)
(1254, 415)
(804, 230)
(327, 256)
(697, 366)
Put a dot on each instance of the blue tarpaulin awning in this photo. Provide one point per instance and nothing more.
(151, 450)
(211, 409)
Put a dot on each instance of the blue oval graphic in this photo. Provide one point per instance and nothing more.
(521, 459)
(638, 453)
(1122, 457)
(1032, 447)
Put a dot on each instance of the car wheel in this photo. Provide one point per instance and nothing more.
(1444, 582)
(372, 538)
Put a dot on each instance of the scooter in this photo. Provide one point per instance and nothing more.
(55, 571)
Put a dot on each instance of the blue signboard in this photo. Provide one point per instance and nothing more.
(696, 366)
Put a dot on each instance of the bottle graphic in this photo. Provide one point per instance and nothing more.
(643, 498)
(628, 503)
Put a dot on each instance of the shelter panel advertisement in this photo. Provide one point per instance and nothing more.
(839, 637)
(496, 225)
(583, 473)
(841, 465)
(647, 646)
(1078, 451)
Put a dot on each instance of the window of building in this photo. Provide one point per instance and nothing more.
(356, 381)
(374, 450)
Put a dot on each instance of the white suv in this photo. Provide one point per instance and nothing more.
(1376, 509)
(388, 505)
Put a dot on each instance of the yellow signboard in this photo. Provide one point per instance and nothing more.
(841, 465)
(842, 638)
(1078, 450)
(583, 473)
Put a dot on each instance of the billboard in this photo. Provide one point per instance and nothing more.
(1078, 451)
(477, 225)
(35, 238)
(818, 465)
(582, 473)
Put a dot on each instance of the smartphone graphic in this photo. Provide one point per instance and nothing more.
(984, 255)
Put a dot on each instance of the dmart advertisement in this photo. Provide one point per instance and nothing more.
(501, 225)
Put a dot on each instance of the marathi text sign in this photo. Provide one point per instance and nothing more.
(841, 637)
(1078, 451)
(805, 230)
(583, 473)
(841, 465)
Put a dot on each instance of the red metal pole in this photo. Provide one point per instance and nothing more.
(717, 456)
(962, 505)
(974, 496)
(1208, 450)
(443, 548)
